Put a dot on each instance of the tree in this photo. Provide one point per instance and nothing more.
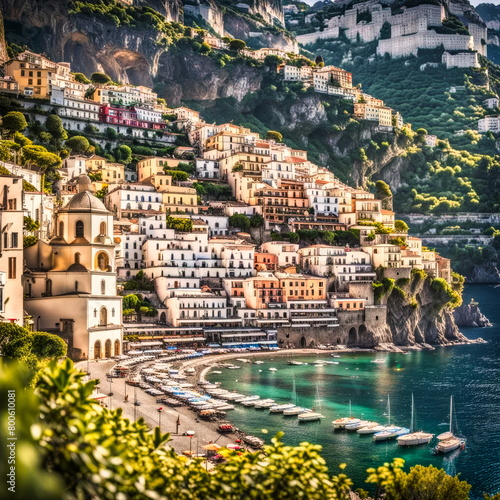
(401, 226)
(383, 192)
(237, 45)
(14, 121)
(274, 135)
(81, 78)
(178, 175)
(272, 60)
(123, 154)
(421, 131)
(256, 220)
(240, 221)
(55, 126)
(47, 345)
(31, 225)
(100, 78)
(385, 31)
(111, 134)
(78, 144)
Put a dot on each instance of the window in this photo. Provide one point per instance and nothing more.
(77, 258)
(103, 317)
(48, 288)
(103, 287)
(5, 240)
(103, 261)
(79, 229)
(61, 229)
(76, 286)
(102, 228)
(12, 268)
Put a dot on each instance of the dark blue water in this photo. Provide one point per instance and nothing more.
(471, 373)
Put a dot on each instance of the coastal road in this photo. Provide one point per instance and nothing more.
(204, 431)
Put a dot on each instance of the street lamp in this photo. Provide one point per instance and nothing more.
(159, 410)
(110, 393)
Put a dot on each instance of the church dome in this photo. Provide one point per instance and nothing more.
(85, 200)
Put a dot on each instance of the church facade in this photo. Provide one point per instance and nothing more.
(70, 281)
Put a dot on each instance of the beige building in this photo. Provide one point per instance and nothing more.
(11, 249)
(155, 165)
(70, 284)
(175, 198)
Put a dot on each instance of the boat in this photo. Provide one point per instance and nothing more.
(249, 401)
(447, 440)
(295, 363)
(354, 426)
(310, 416)
(273, 369)
(340, 423)
(378, 361)
(390, 431)
(264, 403)
(280, 408)
(372, 428)
(414, 438)
(296, 410)
(258, 362)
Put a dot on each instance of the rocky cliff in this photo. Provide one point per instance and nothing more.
(470, 315)
(486, 273)
(417, 314)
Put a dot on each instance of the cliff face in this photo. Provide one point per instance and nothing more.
(487, 274)
(187, 76)
(470, 315)
(421, 316)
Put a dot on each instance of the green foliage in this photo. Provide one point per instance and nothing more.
(274, 135)
(54, 125)
(134, 304)
(180, 224)
(240, 221)
(100, 78)
(123, 154)
(81, 78)
(139, 282)
(211, 191)
(383, 192)
(313, 236)
(77, 144)
(30, 224)
(401, 226)
(29, 241)
(177, 175)
(444, 294)
(14, 121)
(257, 220)
(421, 483)
(237, 45)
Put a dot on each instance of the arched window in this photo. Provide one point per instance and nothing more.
(97, 350)
(103, 261)
(126, 255)
(61, 229)
(135, 255)
(79, 229)
(107, 349)
(103, 317)
(77, 258)
(117, 347)
(113, 312)
(103, 287)
(76, 286)
(48, 288)
(102, 228)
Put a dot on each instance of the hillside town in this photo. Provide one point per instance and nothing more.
(403, 33)
(234, 271)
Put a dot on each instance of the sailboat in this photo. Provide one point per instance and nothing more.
(390, 431)
(447, 440)
(311, 416)
(296, 410)
(414, 438)
(340, 423)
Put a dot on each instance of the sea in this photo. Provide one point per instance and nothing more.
(469, 373)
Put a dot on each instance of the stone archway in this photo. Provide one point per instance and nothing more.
(163, 318)
(353, 337)
(97, 349)
(117, 347)
(366, 338)
(107, 349)
(303, 342)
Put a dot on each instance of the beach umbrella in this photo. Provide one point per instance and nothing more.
(233, 447)
(211, 447)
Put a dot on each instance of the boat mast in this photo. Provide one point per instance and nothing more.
(451, 411)
(388, 409)
(350, 409)
(412, 421)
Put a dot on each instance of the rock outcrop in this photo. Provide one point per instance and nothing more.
(470, 315)
(485, 274)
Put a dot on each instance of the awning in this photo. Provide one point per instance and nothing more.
(185, 339)
(256, 334)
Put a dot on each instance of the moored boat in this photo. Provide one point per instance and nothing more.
(447, 441)
(390, 432)
(371, 429)
(310, 416)
(296, 410)
(414, 438)
(280, 408)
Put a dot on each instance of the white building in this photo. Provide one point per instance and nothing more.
(72, 107)
(285, 251)
(461, 60)
(133, 200)
(489, 123)
(207, 169)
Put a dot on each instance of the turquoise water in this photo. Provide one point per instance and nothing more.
(471, 373)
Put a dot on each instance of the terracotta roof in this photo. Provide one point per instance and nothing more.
(387, 212)
(294, 159)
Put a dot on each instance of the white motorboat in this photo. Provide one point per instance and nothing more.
(295, 363)
(447, 441)
(280, 408)
(354, 426)
(264, 403)
(310, 416)
(340, 423)
(414, 438)
(250, 401)
(258, 362)
(390, 432)
(296, 410)
(273, 369)
(371, 428)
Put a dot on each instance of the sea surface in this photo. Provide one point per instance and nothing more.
(471, 373)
